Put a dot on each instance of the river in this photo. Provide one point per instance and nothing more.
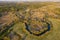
(28, 29)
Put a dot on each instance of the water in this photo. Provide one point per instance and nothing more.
(28, 29)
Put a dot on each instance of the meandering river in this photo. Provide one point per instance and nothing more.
(28, 29)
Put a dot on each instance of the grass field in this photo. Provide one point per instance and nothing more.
(54, 34)
(32, 14)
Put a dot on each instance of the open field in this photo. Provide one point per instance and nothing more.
(29, 21)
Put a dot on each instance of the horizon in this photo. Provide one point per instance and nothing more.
(30, 0)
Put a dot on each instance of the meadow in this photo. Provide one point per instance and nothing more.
(14, 16)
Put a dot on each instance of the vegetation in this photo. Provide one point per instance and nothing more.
(14, 16)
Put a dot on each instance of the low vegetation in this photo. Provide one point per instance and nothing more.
(14, 16)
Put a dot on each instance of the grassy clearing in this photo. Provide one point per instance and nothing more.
(52, 35)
